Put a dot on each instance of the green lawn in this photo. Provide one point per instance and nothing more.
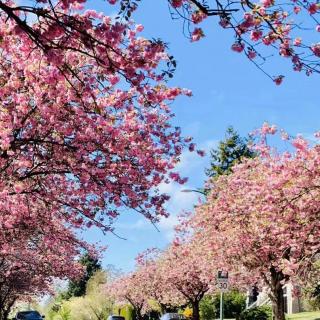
(305, 316)
(301, 316)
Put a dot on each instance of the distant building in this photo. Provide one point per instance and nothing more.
(292, 303)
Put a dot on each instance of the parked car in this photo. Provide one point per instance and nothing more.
(28, 315)
(114, 317)
(172, 316)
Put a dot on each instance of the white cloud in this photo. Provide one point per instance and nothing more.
(179, 201)
(190, 161)
(191, 164)
(166, 226)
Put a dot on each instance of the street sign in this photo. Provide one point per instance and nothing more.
(223, 286)
(223, 281)
(222, 276)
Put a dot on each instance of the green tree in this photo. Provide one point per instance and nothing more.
(312, 295)
(234, 303)
(207, 308)
(230, 151)
(78, 288)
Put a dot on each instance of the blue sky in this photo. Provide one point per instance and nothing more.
(227, 90)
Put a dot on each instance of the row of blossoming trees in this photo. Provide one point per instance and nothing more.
(260, 222)
(84, 132)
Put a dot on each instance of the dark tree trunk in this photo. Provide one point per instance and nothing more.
(139, 316)
(276, 294)
(163, 308)
(4, 314)
(167, 308)
(6, 305)
(278, 304)
(195, 310)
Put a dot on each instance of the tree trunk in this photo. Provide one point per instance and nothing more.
(4, 314)
(276, 294)
(139, 315)
(195, 310)
(278, 304)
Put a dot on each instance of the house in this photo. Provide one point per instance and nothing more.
(292, 303)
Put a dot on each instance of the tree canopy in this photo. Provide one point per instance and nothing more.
(261, 30)
(77, 288)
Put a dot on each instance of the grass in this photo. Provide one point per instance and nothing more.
(301, 316)
(305, 316)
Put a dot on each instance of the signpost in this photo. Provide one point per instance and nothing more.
(222, 282)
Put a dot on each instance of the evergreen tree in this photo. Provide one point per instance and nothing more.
(78, 288)
(230, 151)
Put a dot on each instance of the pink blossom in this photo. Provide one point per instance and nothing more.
(176, 3)
(139, 27)
(300, 143)
(267, 129)
(296, 9)
(297, 42)
(198, 16)
(237, 47)
(316, 49)
(267, 3)
(262, 11)
(197, 34)
(278, 80)
(267, 40)
(284, 135)
(201, 153)
(313, 8)
(224, 23)
(255, 35)
(251, 54)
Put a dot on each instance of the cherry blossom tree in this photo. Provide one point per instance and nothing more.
(173, 278)
(32, 255)
(82, 135)
(181, 267)
(130, 289)
(84, 128)
(261, 29)
(155, 285)
(264, 216)
(78, 137)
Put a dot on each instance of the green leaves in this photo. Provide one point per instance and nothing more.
(229, 152)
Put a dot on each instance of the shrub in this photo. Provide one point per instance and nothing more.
(234, 302)
(257, 313)
(313, 297)
(207, 308)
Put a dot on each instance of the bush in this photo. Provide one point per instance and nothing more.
(207, 308)
(257, 313)
(313, 298)
(234, 302)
